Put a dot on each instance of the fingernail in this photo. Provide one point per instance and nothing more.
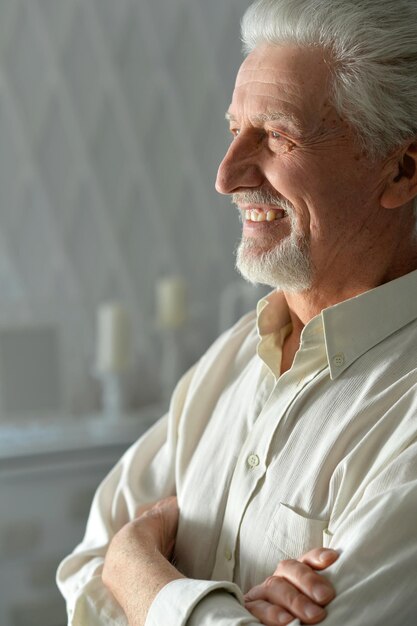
(326, 554)
(321, 592)
(284, 618)
(312, 610)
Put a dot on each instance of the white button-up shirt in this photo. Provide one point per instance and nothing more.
(267, 467)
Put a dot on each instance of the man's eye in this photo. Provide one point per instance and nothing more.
(235, 131)
(274, 134)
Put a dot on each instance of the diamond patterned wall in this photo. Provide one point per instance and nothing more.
(111, 125)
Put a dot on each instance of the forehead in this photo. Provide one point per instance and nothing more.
(286, 79)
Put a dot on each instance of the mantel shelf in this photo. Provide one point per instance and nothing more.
(51, 434)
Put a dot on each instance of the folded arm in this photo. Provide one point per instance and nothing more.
(137, 566)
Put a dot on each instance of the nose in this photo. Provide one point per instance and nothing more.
(240, 168)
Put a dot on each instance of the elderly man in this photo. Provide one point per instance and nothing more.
(297, 430)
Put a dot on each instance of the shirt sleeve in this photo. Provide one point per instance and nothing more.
(145, 473)
(374, 576)
(199, 603)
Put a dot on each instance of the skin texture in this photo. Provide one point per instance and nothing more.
(137, 563)
(295, 589)
(358, 220)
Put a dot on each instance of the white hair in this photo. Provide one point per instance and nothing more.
(372, 46)
(286, 266)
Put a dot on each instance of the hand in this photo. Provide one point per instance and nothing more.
(295, 590)
(136, 566)
(159, 520)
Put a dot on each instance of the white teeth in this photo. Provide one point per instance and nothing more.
(253, 215)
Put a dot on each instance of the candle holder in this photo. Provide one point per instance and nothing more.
(113, 397)
(113, 356)
(171, 314)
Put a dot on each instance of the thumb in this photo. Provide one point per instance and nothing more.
(320, 558)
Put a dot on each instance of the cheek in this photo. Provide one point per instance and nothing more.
(285, 171)
(335, 191)
(325, 194)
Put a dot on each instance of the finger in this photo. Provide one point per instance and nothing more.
(159, 522)
(143, 508)
(158, 506)
(306, 580)
(279, 592)
(163, 518)
(269, 614)
(320, 558)
(164, 504)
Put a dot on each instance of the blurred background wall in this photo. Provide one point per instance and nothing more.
(111, 130)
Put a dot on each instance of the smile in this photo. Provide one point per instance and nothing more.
(256, 215)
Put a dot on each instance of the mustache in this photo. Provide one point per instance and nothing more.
(256, 196)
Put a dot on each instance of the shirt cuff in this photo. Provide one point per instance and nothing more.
(175, 602)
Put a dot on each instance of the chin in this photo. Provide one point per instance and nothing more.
(286, 267)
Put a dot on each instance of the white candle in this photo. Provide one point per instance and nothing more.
(113, 338)
(171, 302)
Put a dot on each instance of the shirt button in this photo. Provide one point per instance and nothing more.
(228, 554)
(339, 359)
(253, 460)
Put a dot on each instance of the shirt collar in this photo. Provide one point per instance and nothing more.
(273, 324)
(272, 313)
(352, 327)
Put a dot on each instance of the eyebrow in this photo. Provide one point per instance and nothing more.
(272, 116)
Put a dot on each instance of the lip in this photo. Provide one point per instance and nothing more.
(253, 228)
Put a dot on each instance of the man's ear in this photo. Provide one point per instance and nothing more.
(401, 185)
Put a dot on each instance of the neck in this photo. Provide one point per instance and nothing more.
(346, 279)
(334, 287)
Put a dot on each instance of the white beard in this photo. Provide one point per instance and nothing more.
(286, 265)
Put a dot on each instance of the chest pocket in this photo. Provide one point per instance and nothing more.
(288, 536)
(292, 534)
